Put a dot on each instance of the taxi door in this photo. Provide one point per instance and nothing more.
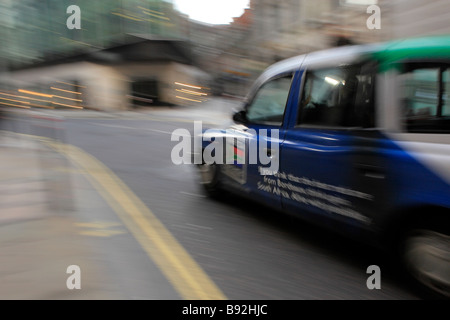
(317, 169)
(262, 122)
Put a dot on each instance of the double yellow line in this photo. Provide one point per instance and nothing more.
(185, 275)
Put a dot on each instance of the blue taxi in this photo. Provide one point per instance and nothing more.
(356, 139)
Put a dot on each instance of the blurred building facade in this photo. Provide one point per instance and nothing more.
(192, 56)
(36, 30)
(127, 53)
(273, 30)
(420, 18)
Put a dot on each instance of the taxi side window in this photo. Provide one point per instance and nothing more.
(446, 93)
(425, 92)
(269, 103)
(337, 97)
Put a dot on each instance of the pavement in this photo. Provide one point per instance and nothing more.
(41, 202)
(39, 239)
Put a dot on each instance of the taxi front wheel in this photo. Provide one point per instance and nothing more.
(209, 179)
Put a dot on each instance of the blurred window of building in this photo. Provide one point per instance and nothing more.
(144, 92)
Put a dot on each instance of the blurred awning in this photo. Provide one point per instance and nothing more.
(134, 48)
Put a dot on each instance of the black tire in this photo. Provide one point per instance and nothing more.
(209, 179)
(425, 256)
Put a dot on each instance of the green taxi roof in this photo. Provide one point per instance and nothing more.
(432, 47)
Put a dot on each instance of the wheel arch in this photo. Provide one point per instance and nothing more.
(403, 219)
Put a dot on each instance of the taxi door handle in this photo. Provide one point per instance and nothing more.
(370, 171)
(269, 152)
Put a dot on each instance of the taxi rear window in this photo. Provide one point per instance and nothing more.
(425, 92)
(338, 97)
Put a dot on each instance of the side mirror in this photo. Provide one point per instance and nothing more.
(240, 117)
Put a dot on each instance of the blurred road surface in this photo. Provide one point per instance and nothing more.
(100, 191)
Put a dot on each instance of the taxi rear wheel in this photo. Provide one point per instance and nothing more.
(426, 258)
